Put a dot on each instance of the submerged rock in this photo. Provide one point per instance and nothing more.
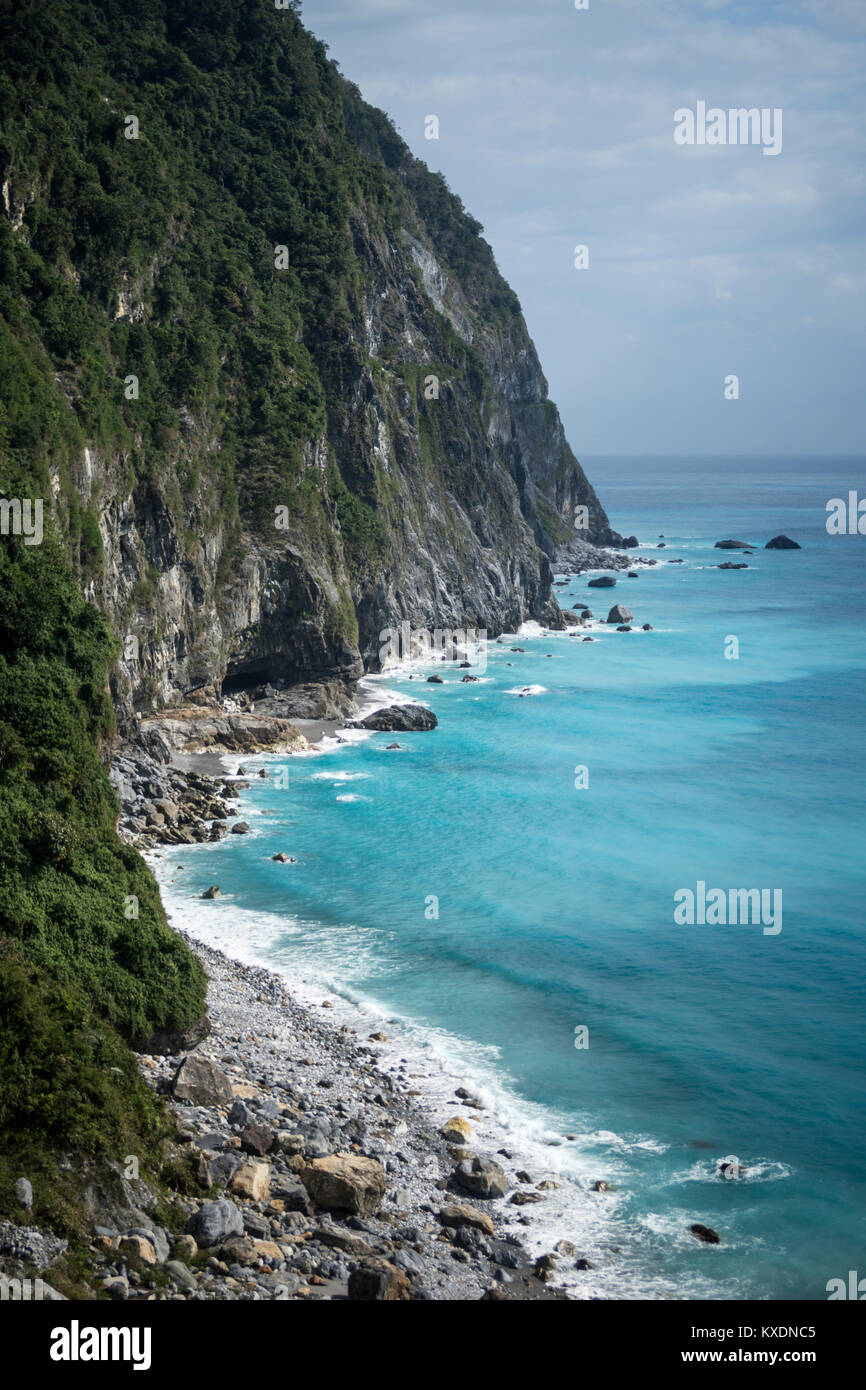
(705, 1233)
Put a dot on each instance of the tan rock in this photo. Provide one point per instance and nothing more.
(345, 1182)
(456, 1130)
(253, 1180)
(462, 1214)
(239, 1250)
(201, 1082)
(244, 1091)
(137, 1245)
(268, 1249)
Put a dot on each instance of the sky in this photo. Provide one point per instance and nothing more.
(705, 261)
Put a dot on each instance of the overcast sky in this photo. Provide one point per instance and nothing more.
(556, 127)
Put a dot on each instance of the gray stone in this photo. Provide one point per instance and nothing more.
(398, 719)
(482, 1177)
(223, 1168)
(180, 1274)
(201, 1083)
(620, 614)
(214, 1222)
(24, 1192)
(240, 1114)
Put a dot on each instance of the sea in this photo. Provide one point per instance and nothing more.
(500, 895)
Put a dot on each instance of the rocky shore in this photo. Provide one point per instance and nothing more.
(164, 798)
(320, 1176)
(327, 1179)
(305, 1166)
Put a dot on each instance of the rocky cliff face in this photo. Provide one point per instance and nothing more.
(424, 476)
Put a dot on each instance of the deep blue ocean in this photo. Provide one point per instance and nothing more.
(556, 902)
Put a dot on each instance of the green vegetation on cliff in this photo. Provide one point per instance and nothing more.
(200, 323)
(86, 956)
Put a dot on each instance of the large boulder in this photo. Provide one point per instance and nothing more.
(782, 543)
(620, 614)
(482, 1177)
(604, 581)
(456, 1130)
(201, 1083)
(734, 545)
(214, 1222)
(377, 1280)
(398, 719)
(168, 1040)
(257, 1139)
(253, 1180)
(458, 1214)
(345, 1182)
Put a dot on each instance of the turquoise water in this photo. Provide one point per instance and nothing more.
(556, 904)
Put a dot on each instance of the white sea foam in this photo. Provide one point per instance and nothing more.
(338, 776)
(342, 964)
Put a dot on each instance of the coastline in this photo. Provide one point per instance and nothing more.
(572, 1203)
(308, 1089)
(557, 1204)
(559, 1208)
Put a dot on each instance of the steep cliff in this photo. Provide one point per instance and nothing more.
(259, 357)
